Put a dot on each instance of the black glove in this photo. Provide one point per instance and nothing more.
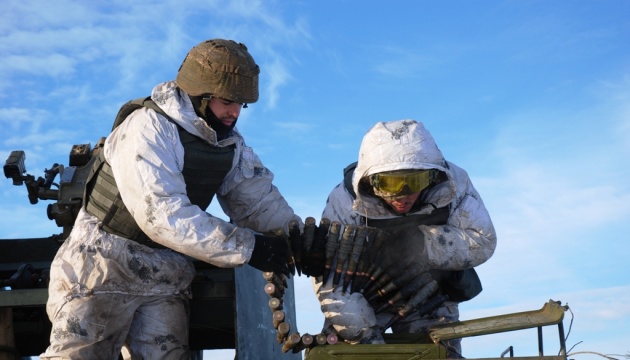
(271, 254)
(461, 285)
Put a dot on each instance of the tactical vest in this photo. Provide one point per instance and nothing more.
(459, 285)
(205, 167)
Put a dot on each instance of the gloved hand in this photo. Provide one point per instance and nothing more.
(461, 285)
(349, 314)
(271, 254)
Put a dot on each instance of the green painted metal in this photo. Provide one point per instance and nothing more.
(415, 346)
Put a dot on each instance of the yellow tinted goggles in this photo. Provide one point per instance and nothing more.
(395, 182)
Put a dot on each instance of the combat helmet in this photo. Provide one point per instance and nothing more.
(221, 68)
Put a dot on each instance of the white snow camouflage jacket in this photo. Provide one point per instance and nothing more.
(147, 158)
(467, 240)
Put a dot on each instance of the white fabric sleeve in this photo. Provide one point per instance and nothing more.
(468, 239)
(250, 198)
(147, 158)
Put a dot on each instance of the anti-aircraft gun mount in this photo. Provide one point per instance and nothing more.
(224, 300)
(69, 191)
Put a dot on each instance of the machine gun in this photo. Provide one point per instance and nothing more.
(68, 192)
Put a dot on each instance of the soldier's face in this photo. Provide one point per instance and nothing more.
(402, 204)
(226, 111)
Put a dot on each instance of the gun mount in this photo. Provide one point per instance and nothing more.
(68, 192)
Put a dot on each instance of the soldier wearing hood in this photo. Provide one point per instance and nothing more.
(435, 227)
(123, 275)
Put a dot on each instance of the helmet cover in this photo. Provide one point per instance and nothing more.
(221, 68)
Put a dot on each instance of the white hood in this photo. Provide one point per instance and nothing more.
(398, 145)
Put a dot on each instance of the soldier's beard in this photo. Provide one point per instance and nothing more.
(202, 108)
(219, 127)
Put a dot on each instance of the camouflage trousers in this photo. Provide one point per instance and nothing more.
(98, 326)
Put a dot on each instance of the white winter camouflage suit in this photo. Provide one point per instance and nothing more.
(469, 232)
(99, 281)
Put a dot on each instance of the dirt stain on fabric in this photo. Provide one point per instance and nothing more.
(163, 340)
(142, 271)
(73, 326)
(402, 130)
(149, 210)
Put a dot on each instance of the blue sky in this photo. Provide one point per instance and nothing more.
(531, 97)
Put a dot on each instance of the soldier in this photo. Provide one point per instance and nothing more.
(123, 274)
(434, 229)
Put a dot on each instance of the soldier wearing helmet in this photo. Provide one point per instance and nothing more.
(123, 274)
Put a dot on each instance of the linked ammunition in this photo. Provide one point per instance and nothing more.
(273, 291)
(420, 297)
(381, 281)
(307, 341)
(318, 251)
(430, 305)
(321, 339)
(283, 331)
(296, 244)
(371, 278)
(291, 342)
(364, 260)
(345, 247)
(332, 241)
(277, 279)
(383, 292)
(407, 291)
(309, 233)
(277, 318)
(275, 304)
(362, 276)
(290, 261)
(398, 281)
(319, 242)
(355, 255)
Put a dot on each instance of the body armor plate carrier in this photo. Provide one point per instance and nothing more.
(205, 167)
